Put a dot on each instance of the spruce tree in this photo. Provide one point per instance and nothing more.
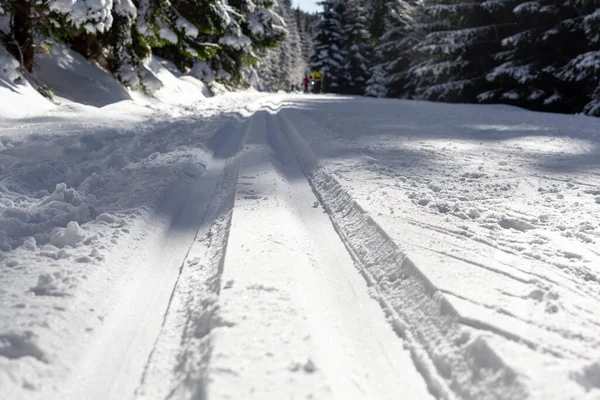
(453, 56)
(393, 48)
(254, 27)
(358, 55)
(328, 53)
(305, 23)
(376, 86)
(579, 78)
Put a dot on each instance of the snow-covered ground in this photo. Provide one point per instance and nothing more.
(499, 211)
(251, 246)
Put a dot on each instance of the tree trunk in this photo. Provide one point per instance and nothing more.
(85, 44)
(22, 46)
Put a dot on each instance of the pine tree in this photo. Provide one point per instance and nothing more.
(377, 18)
(393, 49)
(359, 54)
(305, 23)
(453, 56)
(183, 31)
(49, 18)
(294, 63)
(579, 78)
(125, 62)
(547, 63)
(376, 86)
(328, 53)
(254, 27)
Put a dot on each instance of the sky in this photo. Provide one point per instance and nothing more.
(307, 5)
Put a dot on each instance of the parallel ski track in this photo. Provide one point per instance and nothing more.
(177, 365)
(285, 259)
(455, 362)
(115, 364)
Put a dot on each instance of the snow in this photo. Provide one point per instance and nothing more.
(236, 42)
(81, 188)
(520, 73)
(8, 68)
(94, 15)
(496, 208)
(190, 29)
(167, 34)
(175, 87)
(67, 72)
(125, 8)
(202, 71)
(529, 7)
(274, 246)
(581, 67)
(19, 98)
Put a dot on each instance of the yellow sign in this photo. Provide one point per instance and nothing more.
(316, 76)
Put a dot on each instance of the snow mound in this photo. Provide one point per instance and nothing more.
(69, 236)
(172, 86)
(17, 97)
(22, 219)
(9, 68)
(54, 284)
(74, 78)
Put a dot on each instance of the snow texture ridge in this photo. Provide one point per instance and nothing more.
(452, 360)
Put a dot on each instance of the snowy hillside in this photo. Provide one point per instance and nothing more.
(254, 246)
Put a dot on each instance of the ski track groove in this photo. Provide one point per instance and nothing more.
(448, 350)
(310, 255)
(450, 359)
(192, 310)
(133, 330)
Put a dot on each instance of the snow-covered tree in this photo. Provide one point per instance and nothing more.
(359, 49)
(124, 61)
(393, 48)
(550, 60)
(579, 77)
(183, 31)
(305, 23)
(376, 86)
(451, 60)
(58, 19)
(285, 64)
(254, 27)
(377, 13)
(329, 54)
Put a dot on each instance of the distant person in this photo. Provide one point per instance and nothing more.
(306, 83)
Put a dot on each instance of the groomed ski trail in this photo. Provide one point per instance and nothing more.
(455, 360)
(271, 282)
(269, 303)
(299, 321)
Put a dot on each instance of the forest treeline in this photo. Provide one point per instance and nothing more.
(542, 54)
(213, 40)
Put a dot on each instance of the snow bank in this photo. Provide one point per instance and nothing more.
(175, 87)
(72, 77)
(18, 98)
(83, 192)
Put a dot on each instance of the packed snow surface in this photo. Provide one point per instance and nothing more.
(252, 246)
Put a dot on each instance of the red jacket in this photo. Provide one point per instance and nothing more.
(306, 81)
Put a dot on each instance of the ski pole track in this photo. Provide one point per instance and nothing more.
(453, 360)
